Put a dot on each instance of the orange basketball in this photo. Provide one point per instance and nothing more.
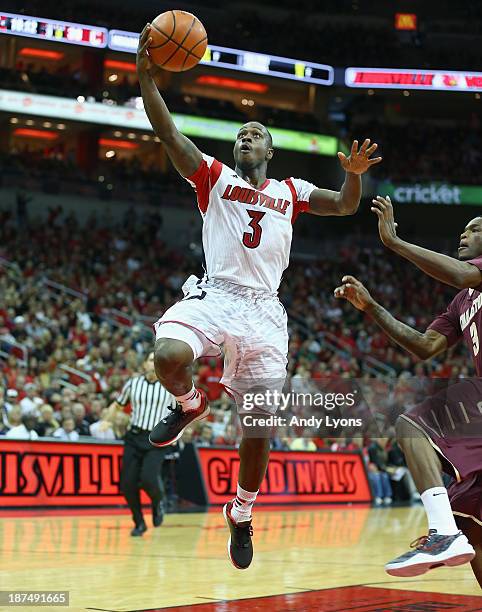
(179, 41)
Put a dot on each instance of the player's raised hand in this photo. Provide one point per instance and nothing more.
(359, 161)
(354, 292)
(143, 60)
(387, 227)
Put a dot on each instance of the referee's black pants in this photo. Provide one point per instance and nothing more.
(141, 469)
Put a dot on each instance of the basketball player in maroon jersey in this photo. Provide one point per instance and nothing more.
(247, 232)
(442, 433)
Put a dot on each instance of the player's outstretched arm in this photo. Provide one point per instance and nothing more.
(449, 270)
(424, 345)
(325, 202)
(183, 153)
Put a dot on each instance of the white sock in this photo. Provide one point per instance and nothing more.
(190, 400)
(439, 512)
(242, 505)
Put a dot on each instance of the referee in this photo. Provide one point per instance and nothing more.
(142, 462)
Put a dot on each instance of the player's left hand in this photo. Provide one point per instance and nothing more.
(359, 161)
(387, 227)
(355, 292)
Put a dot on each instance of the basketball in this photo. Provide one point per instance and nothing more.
(179, 41)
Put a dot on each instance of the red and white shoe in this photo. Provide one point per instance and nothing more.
(240, 546)
(171, 428)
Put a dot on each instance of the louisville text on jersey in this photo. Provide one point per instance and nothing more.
(245, 195)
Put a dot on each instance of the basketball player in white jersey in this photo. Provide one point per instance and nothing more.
(247, 231)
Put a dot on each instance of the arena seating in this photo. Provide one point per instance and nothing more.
(77, 308)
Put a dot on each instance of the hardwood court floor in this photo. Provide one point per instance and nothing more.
(303, 559)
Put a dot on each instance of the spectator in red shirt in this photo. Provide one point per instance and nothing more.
(208, 379)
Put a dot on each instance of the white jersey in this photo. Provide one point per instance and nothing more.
(247, 232)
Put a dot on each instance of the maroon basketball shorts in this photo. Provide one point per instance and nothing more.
(451, 418)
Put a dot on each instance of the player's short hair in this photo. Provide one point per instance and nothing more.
(270, 138)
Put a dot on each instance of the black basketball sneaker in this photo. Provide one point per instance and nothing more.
(139, 529)
(431, 551)
(170, 428)
(240, 546)
(157, 514)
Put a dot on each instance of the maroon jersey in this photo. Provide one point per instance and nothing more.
(463, 318)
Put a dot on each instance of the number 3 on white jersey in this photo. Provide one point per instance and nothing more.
(475, 338)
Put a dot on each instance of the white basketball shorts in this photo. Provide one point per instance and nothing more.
(250, 326)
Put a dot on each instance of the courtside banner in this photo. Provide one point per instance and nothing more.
(60, 474)
(431, 193)
(292, 477)
(430, 80)
(126, 117)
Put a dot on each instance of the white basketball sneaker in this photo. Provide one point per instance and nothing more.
(431, 551)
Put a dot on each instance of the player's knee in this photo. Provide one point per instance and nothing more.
(405, 431)
(170, 355)
(254, 446)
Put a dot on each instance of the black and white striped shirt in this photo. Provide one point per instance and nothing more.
(149, 401)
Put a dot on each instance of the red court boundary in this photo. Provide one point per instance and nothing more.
(344, 599)
(21, 512)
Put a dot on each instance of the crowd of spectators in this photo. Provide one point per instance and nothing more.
(122, 279)
(76, 308)
(56, 171)
(423, 150)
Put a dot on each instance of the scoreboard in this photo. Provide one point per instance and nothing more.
(121, 40)
(270, 65)
(53, 30)
(244, 61)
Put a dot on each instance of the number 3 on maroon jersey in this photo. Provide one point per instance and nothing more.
(252, 240)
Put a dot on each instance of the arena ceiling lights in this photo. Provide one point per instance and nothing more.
(37, 134)
(118, 65)
(118, 144)
(224, 83)
(424, 80)
(43, 54)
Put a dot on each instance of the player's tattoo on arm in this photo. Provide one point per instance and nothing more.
(423, 345)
